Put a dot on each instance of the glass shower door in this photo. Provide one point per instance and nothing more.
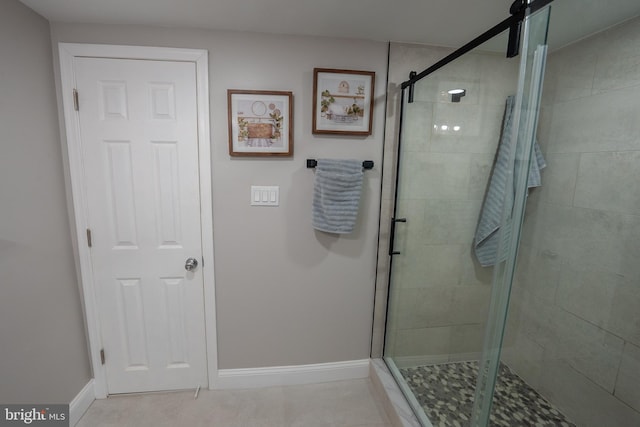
(442, 302)
(522, 154)
(439, 293)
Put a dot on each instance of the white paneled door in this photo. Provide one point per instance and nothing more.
(139, 141)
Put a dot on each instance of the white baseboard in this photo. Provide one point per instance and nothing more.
(81, 403)
(291, 375)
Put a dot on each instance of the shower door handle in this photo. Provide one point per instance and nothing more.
(393, 234)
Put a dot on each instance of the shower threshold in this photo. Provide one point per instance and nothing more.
(446, 393)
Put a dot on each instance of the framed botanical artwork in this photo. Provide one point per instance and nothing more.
(342, 101)
(260, 123)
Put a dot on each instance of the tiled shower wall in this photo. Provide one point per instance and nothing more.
(440, 295)
(574, 325)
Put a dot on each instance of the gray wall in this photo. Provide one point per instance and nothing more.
(43, 350)
(574, 324)
(286, 295)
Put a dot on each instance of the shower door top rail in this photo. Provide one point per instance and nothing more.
(519, 10)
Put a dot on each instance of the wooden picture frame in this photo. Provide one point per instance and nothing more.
(260, 123)
(343, 101)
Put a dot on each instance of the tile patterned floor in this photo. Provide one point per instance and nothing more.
(350, 403)
(446, 393)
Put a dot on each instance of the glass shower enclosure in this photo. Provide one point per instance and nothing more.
(440, 295)
(532, 316)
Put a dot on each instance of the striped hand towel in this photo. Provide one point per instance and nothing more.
(498, 196)
(336, 195)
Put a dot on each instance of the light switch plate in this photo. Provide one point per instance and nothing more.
(265, 195)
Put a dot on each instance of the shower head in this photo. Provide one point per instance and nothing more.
(456, 94)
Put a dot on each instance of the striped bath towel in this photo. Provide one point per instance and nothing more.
(498, 196)
(336, 195)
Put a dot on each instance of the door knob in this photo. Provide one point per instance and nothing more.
(191, 264)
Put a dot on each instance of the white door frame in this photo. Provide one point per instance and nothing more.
(69, 51)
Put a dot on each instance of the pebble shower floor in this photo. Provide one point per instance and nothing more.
(446, 394)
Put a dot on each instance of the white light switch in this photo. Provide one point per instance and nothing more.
(262, 195)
